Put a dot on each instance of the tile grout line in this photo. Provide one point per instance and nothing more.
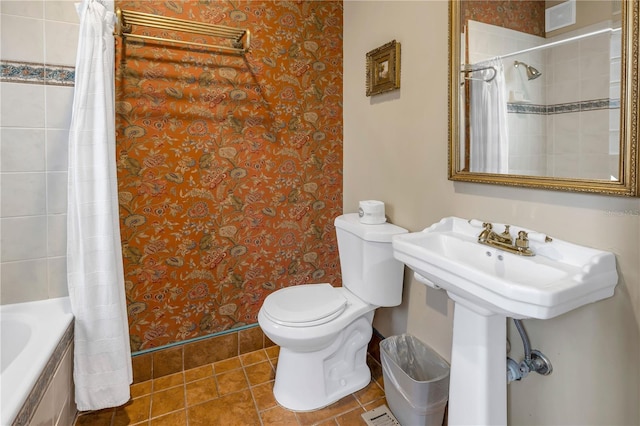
(153, 388)
(184, 393)
(184, 387)
(253, 398)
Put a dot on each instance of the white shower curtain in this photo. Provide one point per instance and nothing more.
(102, 366)
(488, 120)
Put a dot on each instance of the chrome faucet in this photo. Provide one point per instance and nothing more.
(504, 241)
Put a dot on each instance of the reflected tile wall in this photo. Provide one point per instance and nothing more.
(526, 155)
(573, 107)
(584, 89)
(38, 43)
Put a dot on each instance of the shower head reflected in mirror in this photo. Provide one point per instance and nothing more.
(532, 73)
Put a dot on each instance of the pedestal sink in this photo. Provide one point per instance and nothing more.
(489, 284)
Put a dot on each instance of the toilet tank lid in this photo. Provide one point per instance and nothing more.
(380, 233)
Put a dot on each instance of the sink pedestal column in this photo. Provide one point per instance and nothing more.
(478, 379)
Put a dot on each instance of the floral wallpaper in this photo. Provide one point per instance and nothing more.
(230, 166)
(526, 16)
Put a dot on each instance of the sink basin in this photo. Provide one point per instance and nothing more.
(487, 285)
(561, 276)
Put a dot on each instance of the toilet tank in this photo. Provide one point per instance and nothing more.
(368, 267)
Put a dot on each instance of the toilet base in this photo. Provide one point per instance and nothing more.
(307, 381)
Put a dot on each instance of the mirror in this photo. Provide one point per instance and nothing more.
(545, 98)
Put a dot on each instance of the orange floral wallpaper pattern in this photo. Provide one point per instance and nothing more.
(230, 167)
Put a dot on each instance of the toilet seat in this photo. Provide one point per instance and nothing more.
(305, 305)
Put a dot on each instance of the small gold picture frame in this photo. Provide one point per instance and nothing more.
(383, 68)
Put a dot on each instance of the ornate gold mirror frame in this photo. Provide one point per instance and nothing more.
(627, 185)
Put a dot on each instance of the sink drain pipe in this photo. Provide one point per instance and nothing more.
(534, 360)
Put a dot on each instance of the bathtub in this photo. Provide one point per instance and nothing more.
(34, 339)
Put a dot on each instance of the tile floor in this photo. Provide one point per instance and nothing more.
(235, 391)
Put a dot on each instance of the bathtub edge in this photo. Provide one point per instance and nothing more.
(30, 406)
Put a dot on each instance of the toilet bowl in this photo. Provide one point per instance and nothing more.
(323, 331)
(324, 360)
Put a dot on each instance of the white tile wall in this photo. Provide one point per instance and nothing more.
(57, 152)
(59, 36)
(22, 105)
(57, 117)
(57, 235)
(23, 194)
(57, 192)
(27, 8)
(24, 280)
(34, 130)
(57, 278)
(59, 10)
(615, 73)
(31, 33)
(22, 150)
(23, 238)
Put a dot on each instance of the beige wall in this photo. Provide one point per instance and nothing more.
(395, 150)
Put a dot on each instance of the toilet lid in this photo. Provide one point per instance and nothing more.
(305, 305)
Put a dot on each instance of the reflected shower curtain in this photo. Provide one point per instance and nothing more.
(488, 120)
(102, 364)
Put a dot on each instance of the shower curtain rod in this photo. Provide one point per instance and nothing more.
(559, 42)
(471, 68)
(129, 18)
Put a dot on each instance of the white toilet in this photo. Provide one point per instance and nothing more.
(323, 331)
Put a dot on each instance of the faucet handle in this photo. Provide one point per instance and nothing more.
(539, 237)
(486, 232)
(523, 240)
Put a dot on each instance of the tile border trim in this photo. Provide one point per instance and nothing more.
(579, 106)
(27, 72)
